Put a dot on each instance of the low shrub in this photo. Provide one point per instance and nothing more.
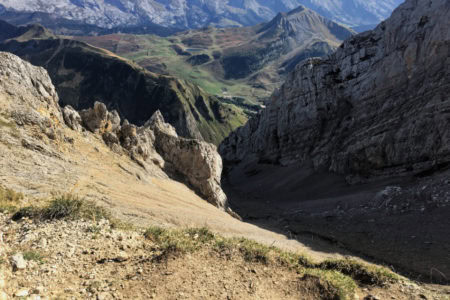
(34, 256)
(64, 207)
(9, 199)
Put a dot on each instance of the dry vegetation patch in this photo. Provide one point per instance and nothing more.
(75, 249)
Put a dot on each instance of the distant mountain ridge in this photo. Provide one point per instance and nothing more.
(241, 62)
(291, 37)
(84, 74)
(183, 14)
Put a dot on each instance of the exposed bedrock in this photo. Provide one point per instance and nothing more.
(378, 106)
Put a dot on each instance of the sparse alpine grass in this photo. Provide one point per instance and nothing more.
(34, 256)
(364, 274)
(345, 285)
(342, 275)
(345, 275)
(175, 242)
(9, 200)
(73, 207)
(64, 206)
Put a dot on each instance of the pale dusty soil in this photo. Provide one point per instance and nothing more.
(88, 168)
(89, 260)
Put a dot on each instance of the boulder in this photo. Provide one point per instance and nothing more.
(198, 161)
(72, 118)
(18, 262)
(99, 120)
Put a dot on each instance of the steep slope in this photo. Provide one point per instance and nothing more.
(41, 155)
(375, 112)
(84, 74)
(194, 13)
(155, 145)
(364, 109)
(66, 197)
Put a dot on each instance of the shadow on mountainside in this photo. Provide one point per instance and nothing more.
(403, 223)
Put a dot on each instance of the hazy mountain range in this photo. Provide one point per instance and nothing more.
(94, 15)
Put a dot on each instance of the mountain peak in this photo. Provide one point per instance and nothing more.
(299, 9)
(303, 23)
(193, 13)
(292, 13)
(33, 31)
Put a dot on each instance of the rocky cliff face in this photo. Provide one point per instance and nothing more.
(378, 106)
(193, 13)
(35, 98)
(198, 161)
(156, 143)
(30, 117)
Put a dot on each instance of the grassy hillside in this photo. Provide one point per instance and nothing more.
(84, 74)
(246, 62)
(172, 55)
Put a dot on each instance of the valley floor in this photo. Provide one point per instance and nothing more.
(402, 223)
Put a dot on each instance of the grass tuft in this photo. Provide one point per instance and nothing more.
(364, 274)
(33, 256)
(345, 285)
(155, 233)
(202, 234)
(253, 251)
(9, 195)
(64, 207)
(121, 225)
(72, 207)
(9, 199)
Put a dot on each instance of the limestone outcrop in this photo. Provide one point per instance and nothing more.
(379, 106)
(198, 161)
(156, 143)
(31, 117)
(72, 118)
(35, 98)
(99, 119)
